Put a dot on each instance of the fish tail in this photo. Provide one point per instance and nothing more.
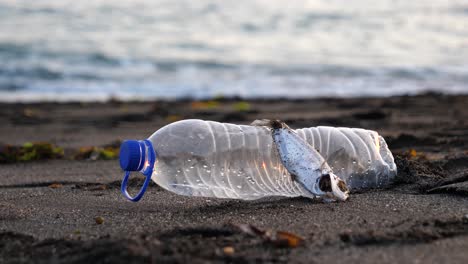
(274, 124)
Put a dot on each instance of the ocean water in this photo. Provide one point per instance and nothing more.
(143, 49)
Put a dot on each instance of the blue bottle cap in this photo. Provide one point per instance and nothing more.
(132, 155)
(133, 158)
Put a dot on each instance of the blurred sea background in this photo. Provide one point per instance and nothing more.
(66, 50)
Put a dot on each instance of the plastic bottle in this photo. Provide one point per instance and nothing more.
(211, 159)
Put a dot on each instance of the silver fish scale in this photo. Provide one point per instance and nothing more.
(304, 163)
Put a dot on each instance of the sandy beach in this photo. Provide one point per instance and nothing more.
(70, 209)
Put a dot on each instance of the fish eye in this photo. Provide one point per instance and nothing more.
(325, 183)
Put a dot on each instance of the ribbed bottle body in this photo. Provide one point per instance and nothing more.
(359, 157)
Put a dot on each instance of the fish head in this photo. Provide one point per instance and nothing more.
(333, 187)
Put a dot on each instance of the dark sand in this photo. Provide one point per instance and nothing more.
(422, 218)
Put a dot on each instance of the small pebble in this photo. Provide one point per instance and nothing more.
(99, 220)
(228, 250)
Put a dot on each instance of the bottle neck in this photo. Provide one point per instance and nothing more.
(148, 158)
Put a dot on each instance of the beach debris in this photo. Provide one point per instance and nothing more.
(29, 151)
(241, 106)
(278, 238)
(106, 152)
(32, 151)
(287, 239)
(304, 163)
(228, 250)
(96, 153)
(413, 154)
(55, 185)
(99, 220)
(204, 105)
(236, 106)
(100, 187)
(85, 153)
(39, 150)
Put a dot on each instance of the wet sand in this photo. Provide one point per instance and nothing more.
(66, 210)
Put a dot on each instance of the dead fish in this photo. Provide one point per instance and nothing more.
(304, 163)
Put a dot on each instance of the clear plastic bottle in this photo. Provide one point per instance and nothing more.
(212, 159)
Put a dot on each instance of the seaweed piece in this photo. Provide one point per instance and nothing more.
(97, 153)
(203, 105)
(241, 106)
(30, 151)
(39, 151)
